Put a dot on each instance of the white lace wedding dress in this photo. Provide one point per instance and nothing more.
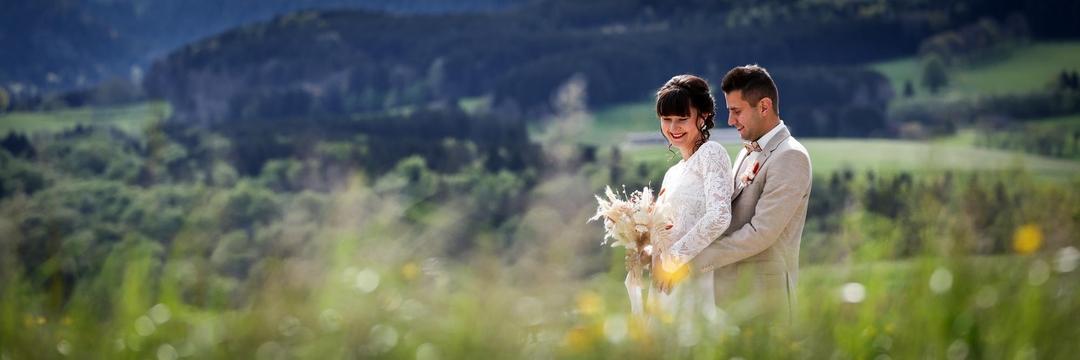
(698, 191)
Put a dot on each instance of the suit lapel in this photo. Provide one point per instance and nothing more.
(766, 152)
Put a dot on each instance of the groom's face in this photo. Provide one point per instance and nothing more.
(745, 118)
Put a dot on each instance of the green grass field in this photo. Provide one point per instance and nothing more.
(1028, 68)
(1058, 122)
(132, 119)
(610, 125)
(893, 155)
(967, 136)
(958, 152)
(829, 155)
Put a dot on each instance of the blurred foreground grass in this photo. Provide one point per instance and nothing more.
(372, 286)
(1011, 307)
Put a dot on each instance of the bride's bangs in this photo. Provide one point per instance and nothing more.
(673, 102)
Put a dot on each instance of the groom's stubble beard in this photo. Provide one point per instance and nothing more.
(752, 128)
(764, 125)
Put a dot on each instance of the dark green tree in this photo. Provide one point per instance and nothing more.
(934, 74)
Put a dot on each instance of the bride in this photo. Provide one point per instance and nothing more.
(697, 190)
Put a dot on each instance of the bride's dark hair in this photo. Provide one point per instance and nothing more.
(680, 93)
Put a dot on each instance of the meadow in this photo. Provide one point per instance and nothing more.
(132, 118)
(886, 155)
(373, 286)
(935, 248)
(1027, 68)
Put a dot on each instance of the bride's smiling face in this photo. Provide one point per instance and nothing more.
(682, 131)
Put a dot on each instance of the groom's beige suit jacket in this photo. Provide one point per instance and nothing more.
(757, 258)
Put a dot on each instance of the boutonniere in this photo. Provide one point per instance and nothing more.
(748, 176)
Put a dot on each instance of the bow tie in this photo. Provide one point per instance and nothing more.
(751, 146)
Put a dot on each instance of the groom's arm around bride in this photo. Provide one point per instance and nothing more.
(757, 258)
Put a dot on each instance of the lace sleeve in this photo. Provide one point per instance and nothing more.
(714, 167)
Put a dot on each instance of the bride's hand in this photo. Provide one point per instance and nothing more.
(666, 281)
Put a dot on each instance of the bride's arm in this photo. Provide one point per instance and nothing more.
(715, 170)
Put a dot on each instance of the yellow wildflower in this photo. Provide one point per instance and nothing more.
(589, 303)
(410, 270)
(1027, 239)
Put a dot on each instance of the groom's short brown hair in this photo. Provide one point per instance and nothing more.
(754, 82)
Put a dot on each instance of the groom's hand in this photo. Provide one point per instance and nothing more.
(668, 280)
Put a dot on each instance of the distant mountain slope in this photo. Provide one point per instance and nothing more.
(57, 43)
(60, 44)
(355, 61)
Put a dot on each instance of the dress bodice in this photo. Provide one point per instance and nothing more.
(698, 192)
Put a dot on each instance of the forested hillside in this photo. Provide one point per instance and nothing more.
(53, 45)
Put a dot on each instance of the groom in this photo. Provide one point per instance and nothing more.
(755, 262)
